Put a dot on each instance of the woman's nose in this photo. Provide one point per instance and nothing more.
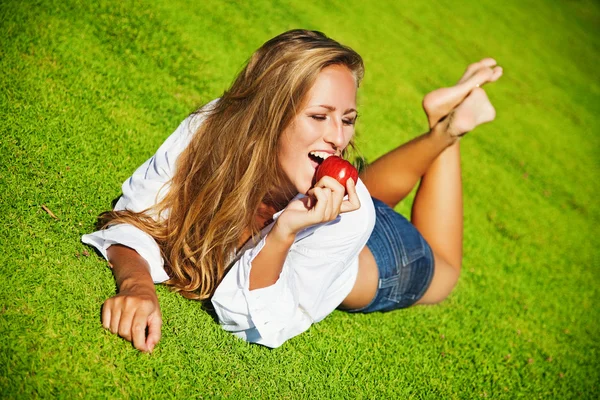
(335, 134)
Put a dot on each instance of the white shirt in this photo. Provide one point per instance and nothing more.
(319, 271)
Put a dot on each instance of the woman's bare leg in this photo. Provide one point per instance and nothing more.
(437, 213)
(437, 210)
(394, 175)
(438, 207)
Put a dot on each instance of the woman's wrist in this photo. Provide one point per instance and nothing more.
(138, 285)
(282, 234)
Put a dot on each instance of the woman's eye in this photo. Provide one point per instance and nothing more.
(318, 117)
(349, 121)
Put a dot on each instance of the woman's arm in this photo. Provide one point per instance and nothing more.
(135, 307)
(267, 265)
(317, 272)
(134, 255)
(323, 204)
(393, 176)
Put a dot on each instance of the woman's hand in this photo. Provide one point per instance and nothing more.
(130, 312)
(323, 203)
(135, 308)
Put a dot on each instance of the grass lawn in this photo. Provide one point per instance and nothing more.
(89, 90)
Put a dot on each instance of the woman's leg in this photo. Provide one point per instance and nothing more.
(437, 210)
(393, 176)
(437, 213)
(390, 179)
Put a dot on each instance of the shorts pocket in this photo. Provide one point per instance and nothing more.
(407, 284)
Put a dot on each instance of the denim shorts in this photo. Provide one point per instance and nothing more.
(404, 260)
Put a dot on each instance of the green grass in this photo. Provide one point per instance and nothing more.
(89, 89)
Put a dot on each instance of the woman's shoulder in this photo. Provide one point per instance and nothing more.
(192, 122)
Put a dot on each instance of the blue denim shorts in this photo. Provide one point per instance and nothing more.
(404, 260)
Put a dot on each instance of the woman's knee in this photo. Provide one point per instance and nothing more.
(444, 280)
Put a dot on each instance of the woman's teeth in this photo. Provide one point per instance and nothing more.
(320, 154)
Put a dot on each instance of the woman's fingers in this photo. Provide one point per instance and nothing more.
(353, 202)
(125, 322)
(337, 192)
(323, 203)
(106, 314)
(138, 331)
(338, 205)
(154, 331)
(115, 317)
(321, 209)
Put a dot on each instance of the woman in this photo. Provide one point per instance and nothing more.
(227, 208)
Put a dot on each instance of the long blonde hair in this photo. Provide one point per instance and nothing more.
(230, 166)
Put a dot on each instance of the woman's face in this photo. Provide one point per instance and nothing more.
(323, 126)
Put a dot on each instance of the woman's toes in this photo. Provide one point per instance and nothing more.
(479, 78)
(488, 62)
(497, 73)
(473, 69)
(483, 76)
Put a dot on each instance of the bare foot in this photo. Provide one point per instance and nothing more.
(474, 68)
(475, 110)
(439, 103)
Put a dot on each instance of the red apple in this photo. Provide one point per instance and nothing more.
(337, 168)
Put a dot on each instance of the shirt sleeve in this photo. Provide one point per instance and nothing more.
(146, 187)
(134, 238)
(301, 296)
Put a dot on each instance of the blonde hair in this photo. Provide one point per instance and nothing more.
(230, 166)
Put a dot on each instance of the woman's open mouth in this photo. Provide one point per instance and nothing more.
(317, 157)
